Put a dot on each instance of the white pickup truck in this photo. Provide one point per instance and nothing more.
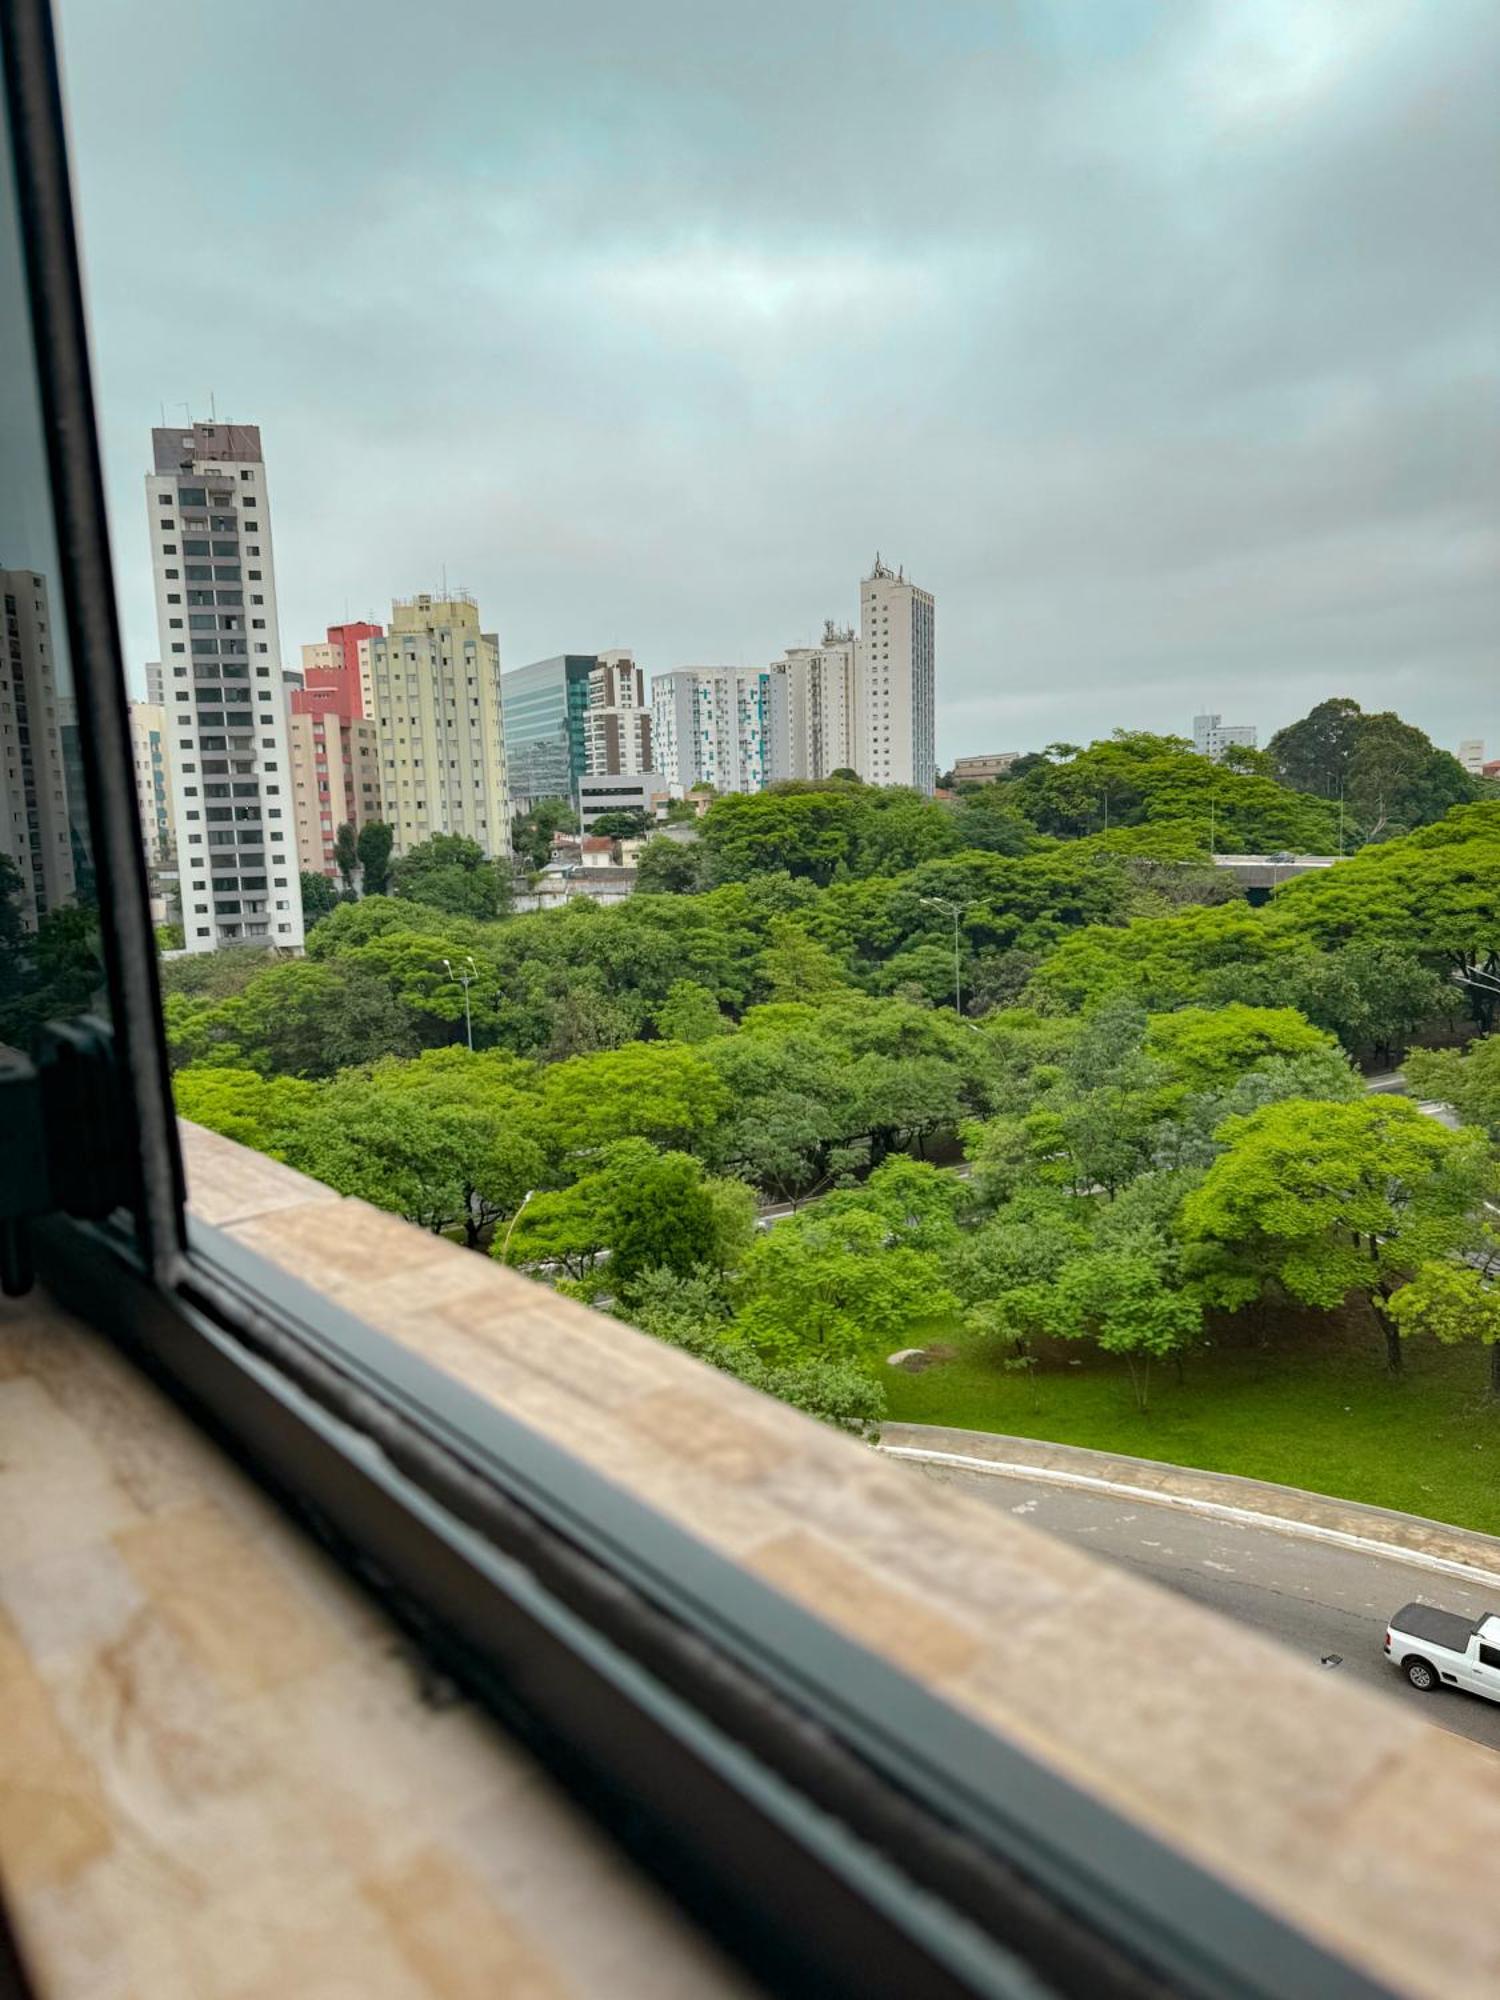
(1440, 1649)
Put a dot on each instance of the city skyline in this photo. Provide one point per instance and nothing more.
(1160, 343)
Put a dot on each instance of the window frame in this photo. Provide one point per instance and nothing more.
(835, 1824)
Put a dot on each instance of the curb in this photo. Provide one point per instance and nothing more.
(1311, 1531)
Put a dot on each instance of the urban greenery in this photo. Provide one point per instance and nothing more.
(1154, 1088)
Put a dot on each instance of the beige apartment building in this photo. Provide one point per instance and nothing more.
(895, 715)
(812, 695)
(151, 757)
(440, 741)
(335, 781)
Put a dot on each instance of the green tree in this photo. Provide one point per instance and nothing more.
(298, 1017)
(670, 867)
(499, 1148)
(365, 1142)
(985, 819)
(628, 823)
(833, 1282)
(662, 1091)
(1469, 1082)
(1313, 755)
(264, 1112)
(373, 846)
(795, 966)
(646, 1210)
(1209, 1048)
(1327, 1200)
(1389, 775)
(690, 1013)
(1122, 1299)
(691, 1313)
(531, 832)
(319, 896)
(794, 828)
(1453, 1303)
(346, 855)
(452, 873)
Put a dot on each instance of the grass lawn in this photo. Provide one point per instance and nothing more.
(1318, 1413)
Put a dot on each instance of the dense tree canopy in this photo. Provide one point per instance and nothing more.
(1150, 1078)
(451, 873)
(1390, 777)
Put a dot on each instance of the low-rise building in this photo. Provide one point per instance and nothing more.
(983, 769)
(596, 795)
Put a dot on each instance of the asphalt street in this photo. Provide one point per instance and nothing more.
(1327, 1604)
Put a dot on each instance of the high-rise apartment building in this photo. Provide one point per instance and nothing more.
(335, 763)
(1212, 736)
(342, 657)
(895, 724)
(35, 831)
(1471, 755)
(708, 727)
(811, 708)
(617, 721)
(440, 736)
(152, 758)
(226, 716)
(154, 682)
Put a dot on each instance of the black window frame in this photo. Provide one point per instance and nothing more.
(834, 1823)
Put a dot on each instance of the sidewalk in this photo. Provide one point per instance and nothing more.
(1185, 1486)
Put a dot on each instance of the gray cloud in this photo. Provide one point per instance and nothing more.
(1158, 340)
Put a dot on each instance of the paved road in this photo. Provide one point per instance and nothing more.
(1313, 1598)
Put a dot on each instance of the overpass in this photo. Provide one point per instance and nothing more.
(1259, 874)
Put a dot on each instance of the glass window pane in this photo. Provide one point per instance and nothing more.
(51, 962)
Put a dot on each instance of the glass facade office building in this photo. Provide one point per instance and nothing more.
(543, 707)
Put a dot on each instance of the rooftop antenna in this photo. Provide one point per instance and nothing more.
(213, 414)
(445, 581)
(163, 408)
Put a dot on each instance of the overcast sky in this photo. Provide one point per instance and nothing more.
(1157, 340)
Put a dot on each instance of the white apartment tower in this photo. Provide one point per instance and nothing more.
(35, 831)
(617, 722)
(708, 727)
(895, 716)
(811, 707)
(226, 717)
(1212, 735)
(440, 740)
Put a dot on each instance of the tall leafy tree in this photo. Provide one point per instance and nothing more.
(1327, 1200)
(346, 855)
(1313, 755)
(373, 846)
(319, 896)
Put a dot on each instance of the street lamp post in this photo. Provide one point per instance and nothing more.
(467, 973)
(955, 910)
(505, 1246)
